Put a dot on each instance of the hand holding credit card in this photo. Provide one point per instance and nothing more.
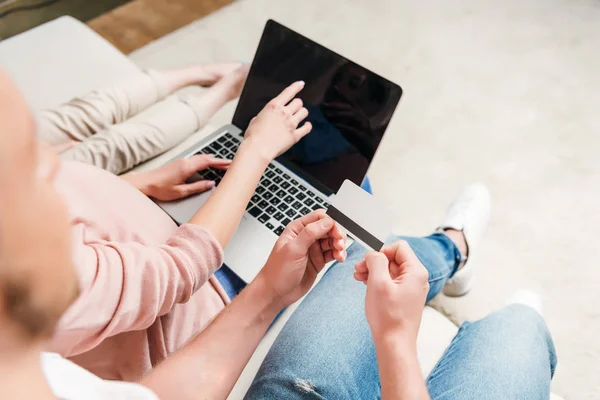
(365, 218)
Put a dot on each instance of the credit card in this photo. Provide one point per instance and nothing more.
(365, 218)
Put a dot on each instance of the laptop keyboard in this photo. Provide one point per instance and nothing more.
(278, 198)
(225, 147)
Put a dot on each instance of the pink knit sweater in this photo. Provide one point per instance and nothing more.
(146, 284)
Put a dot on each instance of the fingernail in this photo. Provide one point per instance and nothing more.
(326, 223)
(211, 184)
(301, 83)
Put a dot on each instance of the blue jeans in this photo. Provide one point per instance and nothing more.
(231, 283)
(325, 351)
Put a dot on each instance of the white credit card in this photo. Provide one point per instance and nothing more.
(366, 219)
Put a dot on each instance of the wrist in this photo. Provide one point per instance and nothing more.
(263, 294)
(395, 340)
(250, 147)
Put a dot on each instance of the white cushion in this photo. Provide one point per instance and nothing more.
(61, 59)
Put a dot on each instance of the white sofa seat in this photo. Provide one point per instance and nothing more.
(61, 59)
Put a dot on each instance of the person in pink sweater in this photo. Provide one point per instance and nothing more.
(147, 285)
(148, 288)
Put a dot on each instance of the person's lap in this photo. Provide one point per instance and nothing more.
(507, 355)
(322, 343)
(326, 351)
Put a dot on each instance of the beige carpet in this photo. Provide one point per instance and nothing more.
(503, 92)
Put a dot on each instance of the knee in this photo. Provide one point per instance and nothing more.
(283, 386)
(525, 330)
(523, 318)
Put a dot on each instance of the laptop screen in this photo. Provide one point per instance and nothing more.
(349, 106)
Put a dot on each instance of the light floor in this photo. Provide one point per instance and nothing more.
(502, 92)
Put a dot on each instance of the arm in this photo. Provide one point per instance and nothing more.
(399, 369)
(209, 366)
(270, 133)
(397, 286)
(224, 209)
(130, 285)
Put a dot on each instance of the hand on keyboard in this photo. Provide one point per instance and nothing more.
(169, 181)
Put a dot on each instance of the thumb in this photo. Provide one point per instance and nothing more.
(313, 232)
(378, 266)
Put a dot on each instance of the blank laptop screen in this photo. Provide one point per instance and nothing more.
(349, 106)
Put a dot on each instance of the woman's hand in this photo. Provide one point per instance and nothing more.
(397, 287)
(300, 253)
(168, 182)
(275, 128)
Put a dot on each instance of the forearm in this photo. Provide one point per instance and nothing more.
(209, 366)
(225, 207)
(399, 369)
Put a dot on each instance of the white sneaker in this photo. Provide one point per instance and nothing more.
(528, 297)
(469, 213)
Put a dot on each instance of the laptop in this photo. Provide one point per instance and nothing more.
(349, 107)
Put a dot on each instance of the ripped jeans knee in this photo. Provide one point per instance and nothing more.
(306, 387)
(284, 387)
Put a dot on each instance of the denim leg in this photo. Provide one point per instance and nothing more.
(325, 351)
(507, 355)
(438, 254)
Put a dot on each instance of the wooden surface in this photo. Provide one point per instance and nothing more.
(139, 22)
